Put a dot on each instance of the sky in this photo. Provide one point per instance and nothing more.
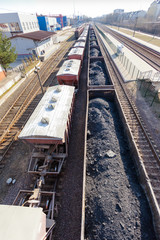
(90, 8)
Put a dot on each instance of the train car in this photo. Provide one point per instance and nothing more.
(25, 223)
(69, 72)
(79, 45)
(79, 30)
(76, 53)
(84, 33)
(81, 39)
(48, 130)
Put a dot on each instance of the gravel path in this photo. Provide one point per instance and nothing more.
(116, 207)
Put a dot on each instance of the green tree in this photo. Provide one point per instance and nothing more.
(7, 53)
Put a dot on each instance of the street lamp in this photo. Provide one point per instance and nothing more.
(36, 71)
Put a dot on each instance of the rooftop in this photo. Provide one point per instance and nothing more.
(37, 35)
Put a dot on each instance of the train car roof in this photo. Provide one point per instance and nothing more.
(81, 39)
(19, 223)
(79, 44)
(49, 119)
(70, 67)
(76, 51)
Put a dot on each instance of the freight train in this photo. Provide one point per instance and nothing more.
(70, 71)
(32, 214)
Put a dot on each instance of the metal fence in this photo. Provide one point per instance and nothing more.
(131, 69)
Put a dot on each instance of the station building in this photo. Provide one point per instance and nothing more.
(12, 24)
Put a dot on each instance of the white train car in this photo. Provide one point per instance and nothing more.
(48, 130)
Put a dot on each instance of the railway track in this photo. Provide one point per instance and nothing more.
(147, 152)
(17, 115)
(149, 55)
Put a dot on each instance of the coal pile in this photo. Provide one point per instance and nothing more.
(93, 43)
(95, 52)
(116, 207)
(93, 38)
(97, 74)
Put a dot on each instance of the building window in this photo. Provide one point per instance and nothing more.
(27, 25)
(33, 24)
(30, 25)
(24, 26)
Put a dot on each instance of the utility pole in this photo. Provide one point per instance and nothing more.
(135, 26)
(36, 71)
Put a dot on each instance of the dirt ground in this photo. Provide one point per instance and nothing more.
(116, 206)
(16, 169)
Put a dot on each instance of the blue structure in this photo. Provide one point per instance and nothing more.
(43, 23)
(60, 21)
(65, 22)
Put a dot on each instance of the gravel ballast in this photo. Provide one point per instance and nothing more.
(116, 207)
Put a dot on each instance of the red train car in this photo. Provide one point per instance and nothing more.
(79, 30)
(69, 72)
(79, 45)
(49, 124)
(76, 53)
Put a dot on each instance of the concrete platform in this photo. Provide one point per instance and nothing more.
(130, 65)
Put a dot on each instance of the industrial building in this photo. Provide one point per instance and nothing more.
(37, 43)
(47, 23)
(16, 23)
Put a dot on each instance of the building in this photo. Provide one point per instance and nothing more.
(17, 23)
(47, 23)
(53, 23)
(119, 11)
(37, 43)
(65, 22)
(59, 19)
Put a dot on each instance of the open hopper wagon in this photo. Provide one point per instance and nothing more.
(48, 130)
